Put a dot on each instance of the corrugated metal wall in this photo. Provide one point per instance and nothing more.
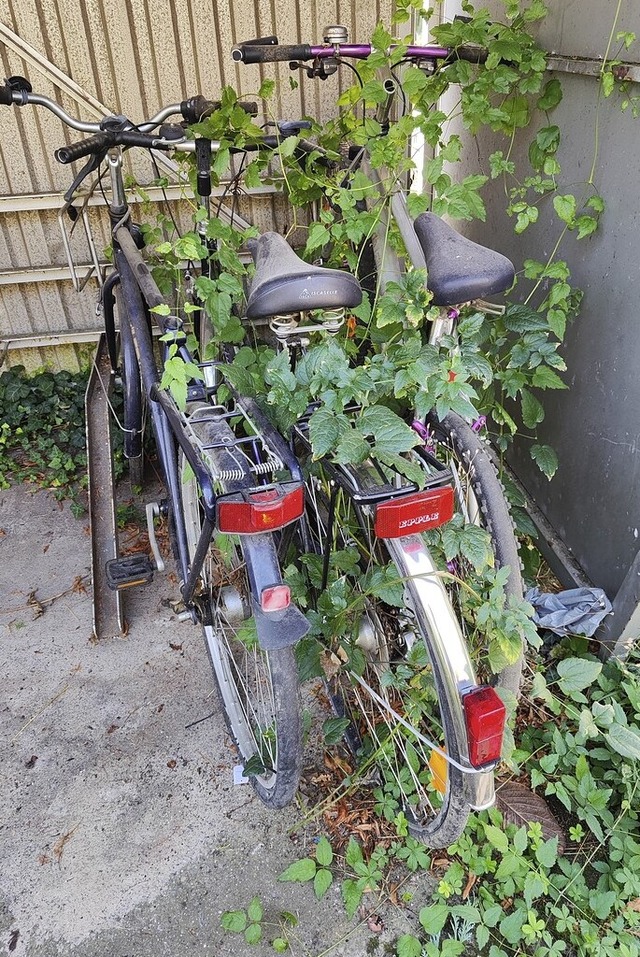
(132, 56)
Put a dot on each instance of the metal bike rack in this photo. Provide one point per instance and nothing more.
(108, 620)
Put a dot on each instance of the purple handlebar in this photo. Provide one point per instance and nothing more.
(361, 50)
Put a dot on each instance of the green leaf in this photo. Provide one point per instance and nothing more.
(234, 921)
(545, 458)
(333, 731)
(417, 203)
(409, 946)
(391, 434)
(624, 740)
(532, 410)
(482, 936)
(521, 840)
(288, 145)
(266, 89)
(325, 431)
(546, 378)
(280, 945)
(253, 934)
(492, 915)
(319, 235)
(511, 926)
(577, 673)
(496, 838)
(300, 871)
(550, 96)
(322, 882)
(354, 853)
(534, 887)
(602, 902)
(434, 917)
(608, 83)
(565, 207)
(351, 895)
(352, 448)
(324, 853)
(254, 910)
(547, 853)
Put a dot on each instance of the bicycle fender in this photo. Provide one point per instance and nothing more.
(275, 629)
(279, 629)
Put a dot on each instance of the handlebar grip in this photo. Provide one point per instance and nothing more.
(470, 52)
(93, 144)
(6, 95)
(198, 108)
(257, 53)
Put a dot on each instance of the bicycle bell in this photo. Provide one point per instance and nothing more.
(336, 34)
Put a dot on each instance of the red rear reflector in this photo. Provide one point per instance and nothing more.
(485, 717)
(414, 513)
(262, 510)
(275, 598)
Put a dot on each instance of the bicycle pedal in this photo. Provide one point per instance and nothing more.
(128, 572)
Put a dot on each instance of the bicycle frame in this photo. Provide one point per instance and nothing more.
(139, 294)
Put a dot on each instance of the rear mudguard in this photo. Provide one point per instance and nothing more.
(275, 629)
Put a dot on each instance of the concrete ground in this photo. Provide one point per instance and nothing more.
(122, 832)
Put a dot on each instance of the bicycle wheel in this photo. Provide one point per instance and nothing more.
(258, 689)
(481, 500)
(396, 690)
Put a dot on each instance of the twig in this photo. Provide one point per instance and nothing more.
(38, 713)
(33, 601)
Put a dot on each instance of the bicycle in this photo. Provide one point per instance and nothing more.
(231, 480)
(412, 699)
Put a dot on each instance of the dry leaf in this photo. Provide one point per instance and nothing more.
(32, 602)
(375, 923)
(634, 904)
(330, 664)
(468, 887)
(520, 805)
(59, 846)
(13, 940)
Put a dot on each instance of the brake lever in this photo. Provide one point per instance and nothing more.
(320, 70)
(94, 164)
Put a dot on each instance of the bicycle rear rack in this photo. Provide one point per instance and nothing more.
(372, 482)
(234, 463)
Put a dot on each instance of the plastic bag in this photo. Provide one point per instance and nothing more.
(577, 611)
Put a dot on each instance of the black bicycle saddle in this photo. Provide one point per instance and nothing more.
(283, 283)
(458, 269)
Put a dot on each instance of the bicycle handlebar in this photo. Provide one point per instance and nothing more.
(268, 51)
(17, 92)
(102, 141)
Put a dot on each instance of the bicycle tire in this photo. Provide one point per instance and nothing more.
(396, 643)
(478, 476)
(258, 689)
